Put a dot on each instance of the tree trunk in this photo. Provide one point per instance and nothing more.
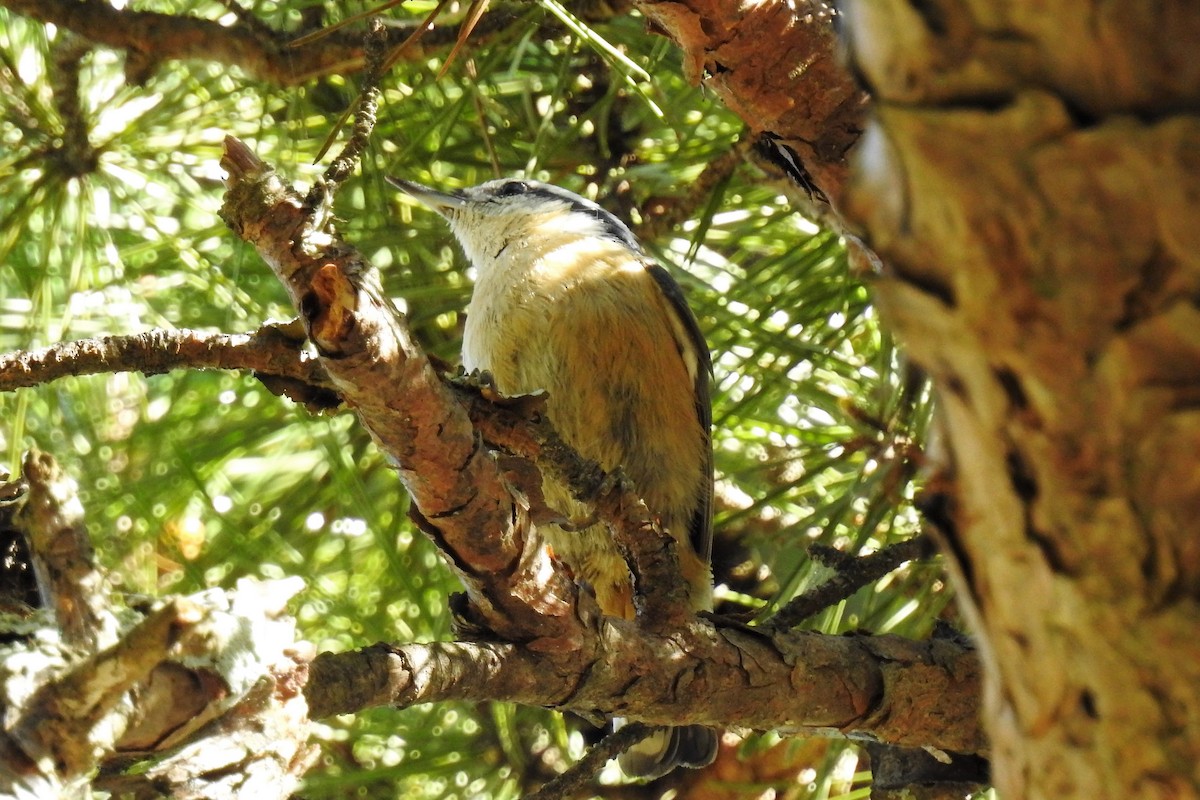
(1031, 178)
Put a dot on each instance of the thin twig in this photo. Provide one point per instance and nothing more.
(578, 780)
(364, 114)
(266, 35)
(663, 214)
(269, 351)
(481, 116)
(852, 575)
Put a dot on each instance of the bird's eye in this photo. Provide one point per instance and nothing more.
(512, 188)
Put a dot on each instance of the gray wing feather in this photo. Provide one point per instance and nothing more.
(700, 530)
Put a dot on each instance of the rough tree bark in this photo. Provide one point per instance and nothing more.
(1031, 174)
(804, 109)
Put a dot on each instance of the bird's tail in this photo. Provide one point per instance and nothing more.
(690, 746)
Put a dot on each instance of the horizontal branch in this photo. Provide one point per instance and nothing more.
(266, 54)
(892, 689)
(269, 351)
(151, 37)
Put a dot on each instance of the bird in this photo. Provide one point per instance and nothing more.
(567, 301)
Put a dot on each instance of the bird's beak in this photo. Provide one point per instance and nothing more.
(440, 202)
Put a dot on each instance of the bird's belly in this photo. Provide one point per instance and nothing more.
(523, 363)
(619, 394)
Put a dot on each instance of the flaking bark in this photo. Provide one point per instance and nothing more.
(1031, 177)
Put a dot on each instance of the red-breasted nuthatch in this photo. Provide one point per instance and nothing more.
(566, 300)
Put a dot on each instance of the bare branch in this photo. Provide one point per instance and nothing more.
(852, 575)
(270, 350)
(70, 584)
(364, 114)
(150, 37)
(577, 781)
(893, 689)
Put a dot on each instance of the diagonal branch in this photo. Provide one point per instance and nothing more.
(577, 782)
(365, 109)
(852, 574)
(59, 720)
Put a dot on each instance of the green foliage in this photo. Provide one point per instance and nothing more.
(192, 480)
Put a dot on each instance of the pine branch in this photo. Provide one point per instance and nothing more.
(264, 53)
(892, 689)
(270, 350)
(577, 781)
(852, 575)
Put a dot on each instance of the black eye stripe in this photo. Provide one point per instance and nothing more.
(512, 188)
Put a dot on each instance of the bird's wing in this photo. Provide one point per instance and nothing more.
(694, 350)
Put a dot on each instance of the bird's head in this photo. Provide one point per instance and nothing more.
(489, 218)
